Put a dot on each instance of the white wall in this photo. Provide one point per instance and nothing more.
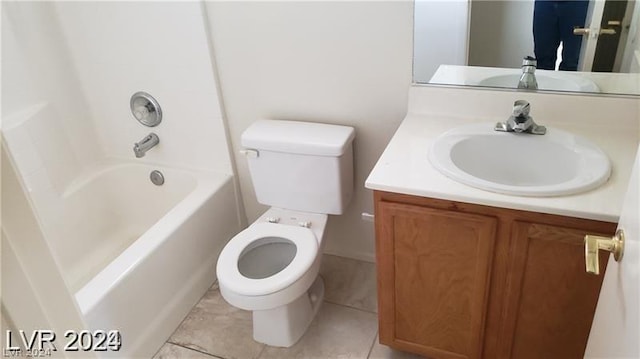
(501, 33)
(120, 48)
(333, 62)
(440, 36)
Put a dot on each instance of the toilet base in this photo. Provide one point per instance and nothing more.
(284, 326)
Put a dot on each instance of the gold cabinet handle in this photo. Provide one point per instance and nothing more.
(592, 244)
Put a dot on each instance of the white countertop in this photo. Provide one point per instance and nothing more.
(404, 167)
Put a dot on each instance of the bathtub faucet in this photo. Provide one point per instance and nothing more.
(141, 148)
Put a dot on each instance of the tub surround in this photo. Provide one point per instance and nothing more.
(172, 63)
(133, 255)
(111, 233)
(32, 294)
(113, 250)
(404, 166)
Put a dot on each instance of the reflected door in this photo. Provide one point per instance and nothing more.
(602, 36)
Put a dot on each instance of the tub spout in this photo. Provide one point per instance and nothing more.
(141, 148)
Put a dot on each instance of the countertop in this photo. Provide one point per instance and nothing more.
(608, 82)
(404, 166)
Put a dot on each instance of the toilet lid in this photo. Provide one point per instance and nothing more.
(227, 269)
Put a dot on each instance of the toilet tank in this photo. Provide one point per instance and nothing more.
(301, 166)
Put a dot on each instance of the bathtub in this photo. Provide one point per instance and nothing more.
(135, 256)
(138, 256)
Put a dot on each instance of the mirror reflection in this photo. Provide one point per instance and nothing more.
(557, 45)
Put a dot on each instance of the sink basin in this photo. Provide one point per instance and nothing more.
(558, 163)
(551, 80)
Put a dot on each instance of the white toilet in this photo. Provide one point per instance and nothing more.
(305, 172)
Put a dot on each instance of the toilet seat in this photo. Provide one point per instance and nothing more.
(306, 251)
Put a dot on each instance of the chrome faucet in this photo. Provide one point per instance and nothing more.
(520, 121)
(528, 79)
(141, 148)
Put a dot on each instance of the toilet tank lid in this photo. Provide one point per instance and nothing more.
(307, 138)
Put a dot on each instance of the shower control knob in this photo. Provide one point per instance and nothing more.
(145, 109)
(140, 113)
(305, 224)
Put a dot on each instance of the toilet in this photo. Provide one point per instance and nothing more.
(304, 171)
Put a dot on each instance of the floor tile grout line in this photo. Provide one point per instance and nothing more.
(215, 282)
(349, 258)
(196, 350)
(263, 350)
(264, 347)
(373, 344)
(351, 307)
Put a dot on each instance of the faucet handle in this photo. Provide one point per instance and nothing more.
(521, 108)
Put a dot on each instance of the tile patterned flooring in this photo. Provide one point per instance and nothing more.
(346, 325)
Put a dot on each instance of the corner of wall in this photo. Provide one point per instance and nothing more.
(242, 214)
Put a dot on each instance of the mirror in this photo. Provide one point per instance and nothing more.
(484, 42)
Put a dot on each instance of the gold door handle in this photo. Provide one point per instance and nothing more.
(581, 31)
(592, 244)
(587, 31)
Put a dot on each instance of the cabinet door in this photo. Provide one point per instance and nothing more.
(433, 279)
(551, 299)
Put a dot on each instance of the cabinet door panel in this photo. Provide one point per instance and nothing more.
(551, 298)
(433, 268)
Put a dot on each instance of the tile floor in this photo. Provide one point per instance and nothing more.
(346, 325)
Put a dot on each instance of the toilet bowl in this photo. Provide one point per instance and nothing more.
(272, 270)
(305, 172)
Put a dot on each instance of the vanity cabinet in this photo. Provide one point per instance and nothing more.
(457, 280)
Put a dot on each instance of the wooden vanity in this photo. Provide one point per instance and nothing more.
(458, 280)
(471, 273)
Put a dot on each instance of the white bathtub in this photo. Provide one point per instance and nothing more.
(139, 256)
(135, 256)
